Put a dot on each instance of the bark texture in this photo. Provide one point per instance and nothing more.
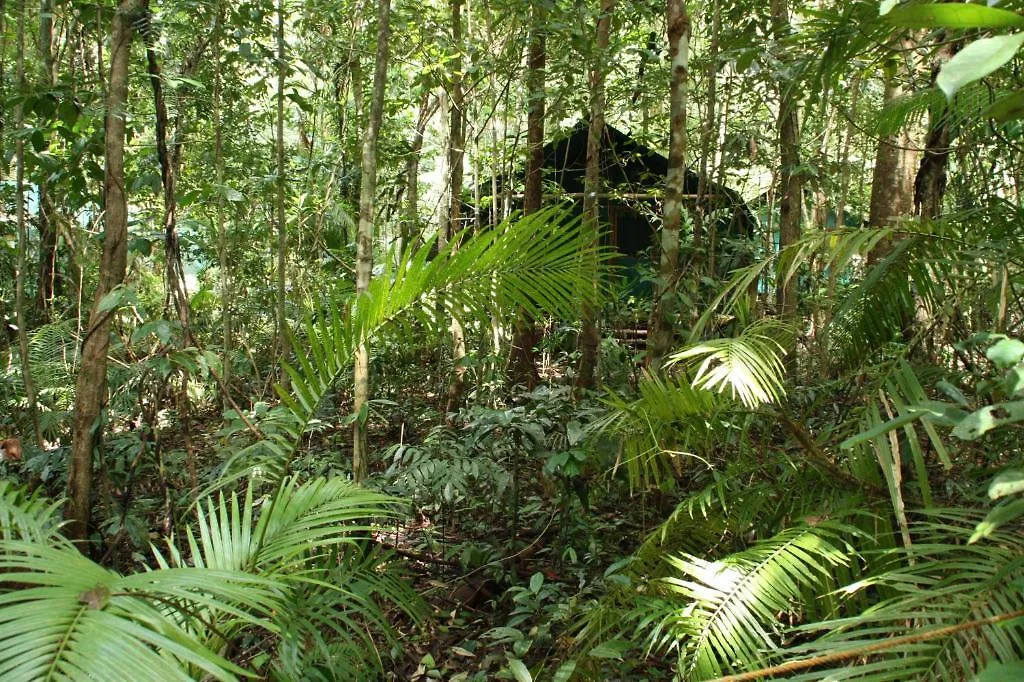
(791, 180)
(91, 386)
(364, 238)
(662, 325)
(590, 337)
(522, 363)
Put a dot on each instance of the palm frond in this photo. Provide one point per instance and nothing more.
(536, 264)
(27, 516)
(63, 616)
(296, 522)
(668, 422)
(962, 592)
(728, 616)
(748, 366)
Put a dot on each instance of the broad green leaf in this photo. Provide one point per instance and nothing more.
(1006, 483)
(954, 15)
(565, 671)
(613, 648)
(977, 60)
(984, 420)
(1006, 353)
(536, 581)
(1008, 107)
(519, 669)
(111, 300)
(1014, 381)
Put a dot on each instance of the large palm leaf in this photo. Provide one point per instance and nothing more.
(536, 264)
(62, 616)
(299, 538)
(748, 366)
(953, 612)
(730, 608)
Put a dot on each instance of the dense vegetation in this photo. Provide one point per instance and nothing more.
(312, 368)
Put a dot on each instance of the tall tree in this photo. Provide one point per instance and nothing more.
(91, 385)
(46, 221)
(19, 295)
(522, 364)
(590, 336)
(662, 325)
(222, 233)
(708, 130)
(364, 237)
(456, 154)
(176, 296)
(892, 184)
(930, 181)
(279, 203)
(790, 178)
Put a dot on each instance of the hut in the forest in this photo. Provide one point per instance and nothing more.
(633, 177)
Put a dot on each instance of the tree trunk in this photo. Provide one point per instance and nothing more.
(19, 286)
(892, 185)
(281, 219)
(790, 181)
(522, 363)
(708, 131)
(410, 228)
(590, 337)
(176, 297)
(48, 277)
(91, 386)
(456, 154)
(662, 325)
(222, 232)
(364, 238)
(930, 183)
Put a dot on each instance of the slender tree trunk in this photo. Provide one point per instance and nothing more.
(19, 295)
(522, 363)
(222, 232)
(3, 85)
(662, 326)
(279, 203)
(930, 183)
(456, 154)
(590, 336)
(410, 228)
(791, 182)
(176, 297)
(364, 239)
(708, 131)
(47, 224)
(91, 386)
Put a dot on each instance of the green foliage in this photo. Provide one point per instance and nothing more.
(749, 366)
(535, 265)
(720, 613)
(296, 569)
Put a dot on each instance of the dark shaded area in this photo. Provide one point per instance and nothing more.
(634, 178)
